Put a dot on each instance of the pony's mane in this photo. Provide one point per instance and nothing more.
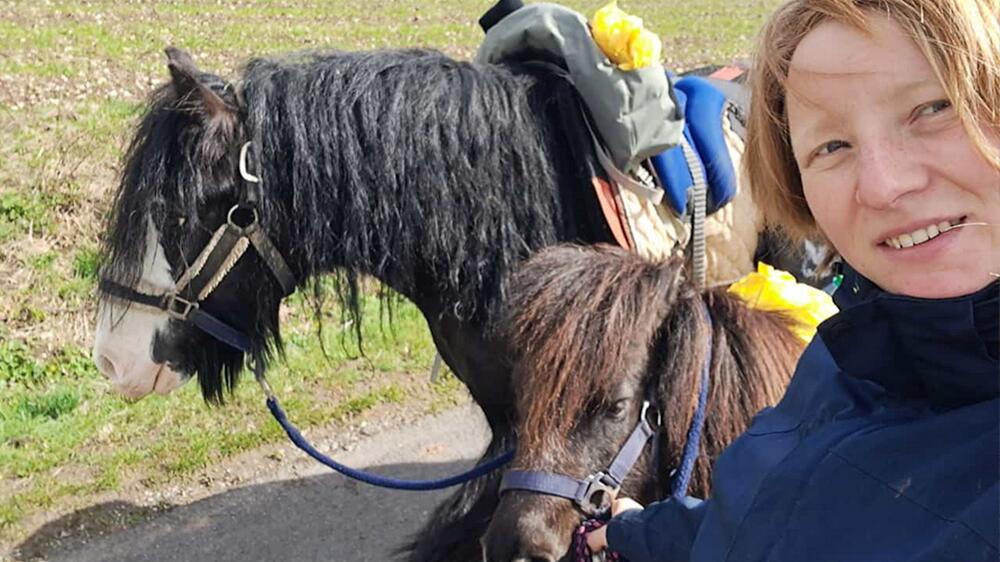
(406, 165)
(415, 168)
(581, 319)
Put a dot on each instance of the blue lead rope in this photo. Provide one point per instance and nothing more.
(375, 479)
(682, 478)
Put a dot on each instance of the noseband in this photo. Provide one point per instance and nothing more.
(593, 495)
(229, 242)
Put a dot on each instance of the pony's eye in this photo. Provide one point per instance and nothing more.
(618, 410)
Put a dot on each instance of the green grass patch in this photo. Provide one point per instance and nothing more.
(58, 413)
(52, 404)
(389, 394)
(23, 212)
(18, 366)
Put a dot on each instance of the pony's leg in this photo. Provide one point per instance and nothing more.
(453, 531)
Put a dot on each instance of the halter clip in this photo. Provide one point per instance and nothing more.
(243, 164)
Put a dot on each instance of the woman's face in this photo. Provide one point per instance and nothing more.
(887, 168)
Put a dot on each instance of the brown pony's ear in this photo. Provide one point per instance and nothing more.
(194, 96)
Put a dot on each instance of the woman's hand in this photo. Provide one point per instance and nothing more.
(597, 540)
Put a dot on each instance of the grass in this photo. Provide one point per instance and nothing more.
(57, 417)
(73, 77)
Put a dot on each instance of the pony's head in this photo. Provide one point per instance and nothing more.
(599, 334)
(181, 184)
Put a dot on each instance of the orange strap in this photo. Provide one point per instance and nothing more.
(613, 213)
(728, 73)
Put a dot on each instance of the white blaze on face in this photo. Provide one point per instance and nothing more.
(123, 343)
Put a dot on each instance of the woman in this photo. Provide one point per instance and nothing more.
(876, 124)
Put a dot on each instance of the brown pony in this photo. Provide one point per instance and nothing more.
(597, 330)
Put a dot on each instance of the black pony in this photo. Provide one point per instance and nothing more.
(433, 175)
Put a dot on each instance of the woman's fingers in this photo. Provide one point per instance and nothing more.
(597, 540)
(624, 504)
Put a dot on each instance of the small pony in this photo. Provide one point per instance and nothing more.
(599, 333)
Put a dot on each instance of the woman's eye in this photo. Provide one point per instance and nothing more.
(830, 148)
(934, 107)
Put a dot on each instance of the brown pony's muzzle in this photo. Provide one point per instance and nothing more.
(529, 527)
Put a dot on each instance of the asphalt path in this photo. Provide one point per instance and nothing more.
(317, 515)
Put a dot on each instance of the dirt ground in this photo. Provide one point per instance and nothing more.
(275, 502)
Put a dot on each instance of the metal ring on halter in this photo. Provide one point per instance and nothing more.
(599, 486)
(243, 164)
(646, 406)
(229, 218)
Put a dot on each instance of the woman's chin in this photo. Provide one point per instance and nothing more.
(939, 285)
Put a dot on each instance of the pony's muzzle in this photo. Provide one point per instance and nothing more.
(526, 528)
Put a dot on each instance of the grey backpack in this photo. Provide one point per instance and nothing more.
(633, 111)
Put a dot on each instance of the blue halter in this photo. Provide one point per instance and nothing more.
(593, 494)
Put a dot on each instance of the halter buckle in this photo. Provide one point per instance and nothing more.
(601, 491)
(178, 307)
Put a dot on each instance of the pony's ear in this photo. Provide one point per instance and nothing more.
(195, 96)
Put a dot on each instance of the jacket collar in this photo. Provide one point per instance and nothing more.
(943, 351)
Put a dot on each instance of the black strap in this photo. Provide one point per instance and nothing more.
(499, 11)
(182, 310)
(129, 294)
(272, 257)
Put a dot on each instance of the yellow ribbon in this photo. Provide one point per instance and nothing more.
(772, 289)
(623, 38)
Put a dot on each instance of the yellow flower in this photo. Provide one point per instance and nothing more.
(772, 289)
(623, 38)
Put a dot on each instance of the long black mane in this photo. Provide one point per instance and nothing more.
(413, 168)
(404, 164)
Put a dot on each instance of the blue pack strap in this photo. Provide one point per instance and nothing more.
(705, 115)
(704, 107)
(671, 167)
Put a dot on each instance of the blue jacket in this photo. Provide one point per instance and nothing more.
(885, 447)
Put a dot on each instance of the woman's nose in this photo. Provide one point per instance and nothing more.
(889, 170)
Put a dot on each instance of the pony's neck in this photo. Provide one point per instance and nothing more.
(753, 356)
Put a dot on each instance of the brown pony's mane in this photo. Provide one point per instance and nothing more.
(582, 318)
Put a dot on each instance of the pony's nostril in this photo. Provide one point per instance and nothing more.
(106, 366)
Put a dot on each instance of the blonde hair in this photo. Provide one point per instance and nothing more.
(959, 38)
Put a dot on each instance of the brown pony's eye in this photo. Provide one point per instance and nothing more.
(618, 409)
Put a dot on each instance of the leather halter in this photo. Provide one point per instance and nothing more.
(229, 242)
